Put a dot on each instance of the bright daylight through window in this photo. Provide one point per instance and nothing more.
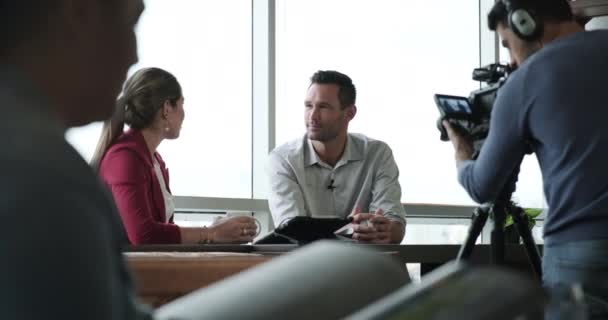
(207, 45)
(396, 52)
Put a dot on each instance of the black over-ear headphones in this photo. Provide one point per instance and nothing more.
(523, 21)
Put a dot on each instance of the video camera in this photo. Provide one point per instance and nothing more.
(471, 116)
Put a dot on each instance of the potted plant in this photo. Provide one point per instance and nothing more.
(511, 233)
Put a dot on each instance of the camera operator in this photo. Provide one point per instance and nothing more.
(556, 102)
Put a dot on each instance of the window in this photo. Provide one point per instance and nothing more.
(207, 45)
(437, 231)
(399, 54)
(429, 231)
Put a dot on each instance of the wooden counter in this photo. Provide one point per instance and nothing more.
(165, 272)
(163, 276)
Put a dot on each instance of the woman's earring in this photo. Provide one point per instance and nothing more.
(167, 125)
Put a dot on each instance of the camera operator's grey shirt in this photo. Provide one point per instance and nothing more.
(557, 103)
(61, 241)
(366, 176)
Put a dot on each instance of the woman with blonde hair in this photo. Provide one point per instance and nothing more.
(152, 105)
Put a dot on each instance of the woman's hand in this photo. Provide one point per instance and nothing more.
(241, 229)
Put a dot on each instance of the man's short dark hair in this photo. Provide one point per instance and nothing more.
(347, 93)
(546, 10)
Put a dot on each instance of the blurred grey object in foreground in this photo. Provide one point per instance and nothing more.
(324, 280)
(457, 292)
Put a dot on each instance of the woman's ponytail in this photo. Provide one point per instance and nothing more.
(112, 128)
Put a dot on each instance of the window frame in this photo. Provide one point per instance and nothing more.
(263, 137)
(264, 111)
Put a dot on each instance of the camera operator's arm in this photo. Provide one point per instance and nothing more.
(285, 198)
(502, 150)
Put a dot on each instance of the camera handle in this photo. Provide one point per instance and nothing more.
(457, 123)
(500, 209)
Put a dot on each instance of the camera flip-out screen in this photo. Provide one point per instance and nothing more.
(453, 105)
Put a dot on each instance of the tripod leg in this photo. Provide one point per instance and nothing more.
(478, 220)
(497, 255)
(526, 235)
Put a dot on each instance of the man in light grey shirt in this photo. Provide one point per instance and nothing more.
(330, 172)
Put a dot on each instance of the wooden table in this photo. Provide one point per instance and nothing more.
(423, 254)
(165, 272)
(164, 276)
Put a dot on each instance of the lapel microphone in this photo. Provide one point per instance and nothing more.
(331, 185)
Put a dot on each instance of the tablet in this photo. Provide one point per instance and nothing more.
(304, 230)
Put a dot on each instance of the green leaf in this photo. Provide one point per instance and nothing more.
(532, 213)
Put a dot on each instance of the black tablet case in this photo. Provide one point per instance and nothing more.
(302, 230)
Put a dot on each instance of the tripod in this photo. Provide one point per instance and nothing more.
(500, 209)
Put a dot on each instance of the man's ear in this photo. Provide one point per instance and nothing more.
(351, 111)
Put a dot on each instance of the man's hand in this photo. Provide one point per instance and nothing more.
(371, 227)
(462, 145)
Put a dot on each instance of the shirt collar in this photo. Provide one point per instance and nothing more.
(352, 152)
(310, 156)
